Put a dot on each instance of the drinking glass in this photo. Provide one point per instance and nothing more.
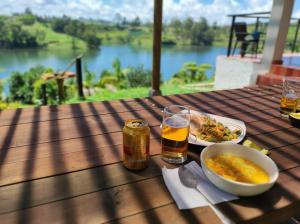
(290, 95)
(174, 133)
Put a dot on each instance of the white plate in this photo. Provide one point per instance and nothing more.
(232, 124)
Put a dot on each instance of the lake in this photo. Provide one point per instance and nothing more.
(97, 60)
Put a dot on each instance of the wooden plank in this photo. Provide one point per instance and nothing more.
(211, 101)
(274, 88)
(131, 199)
(274, 206)
(80, 154)
(46, 190)
(12, 136)
(15, 136)
(48, 113)
(286, 157)
(278, 138)
(59, 158)
(171, 214)
(67, 146)
(38, 132)
(87, 109)
(59, 164)
(265, 126)
(98, 207)
(13, 196)
(89, 151)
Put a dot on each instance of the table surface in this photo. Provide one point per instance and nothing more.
(63, 164)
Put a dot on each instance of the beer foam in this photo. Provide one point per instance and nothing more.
(176, 122)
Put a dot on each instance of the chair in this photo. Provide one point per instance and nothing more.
(245, 38)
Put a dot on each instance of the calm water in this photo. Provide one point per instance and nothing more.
(98, 60)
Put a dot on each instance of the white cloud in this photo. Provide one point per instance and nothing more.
(217, 11)
(107, 9)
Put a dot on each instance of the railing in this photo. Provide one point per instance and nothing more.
(258, 16)
(59, 77)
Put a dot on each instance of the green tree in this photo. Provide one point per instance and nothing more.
(16, 81)
(27, 17)
(176, 25)
(14, 36)
(91, 39)
(73, 29)
(21, 85)
(136, 22)
(187, 25)
(59, 24)
(201, 34)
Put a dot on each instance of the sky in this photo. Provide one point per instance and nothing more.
(212, 10)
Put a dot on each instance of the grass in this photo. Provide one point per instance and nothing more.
(140, 36)
(55, 40)
(140, 92)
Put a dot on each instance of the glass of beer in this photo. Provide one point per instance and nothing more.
(290, 95)
(174, 133)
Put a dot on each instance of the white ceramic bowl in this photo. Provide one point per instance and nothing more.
(234, 187)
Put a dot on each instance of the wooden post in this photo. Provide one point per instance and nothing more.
(44, 94)
(230, 36)
(296, 37)
(79, 78)
(256, 24)
(158, 8)
(61, 91)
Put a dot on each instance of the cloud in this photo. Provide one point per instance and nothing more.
(215, 10)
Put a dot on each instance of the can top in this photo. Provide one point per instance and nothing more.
(136, 123)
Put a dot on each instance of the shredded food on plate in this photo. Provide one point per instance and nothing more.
(208, 129)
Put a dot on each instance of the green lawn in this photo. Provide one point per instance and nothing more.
(56, 40)
(167, 89)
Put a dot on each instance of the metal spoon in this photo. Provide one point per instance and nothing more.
(188, 179)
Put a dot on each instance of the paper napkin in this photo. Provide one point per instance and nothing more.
(187, 198)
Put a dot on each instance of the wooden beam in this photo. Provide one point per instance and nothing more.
(157, 33)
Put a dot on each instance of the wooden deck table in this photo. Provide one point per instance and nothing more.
(62, 164)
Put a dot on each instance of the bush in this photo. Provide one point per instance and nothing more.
(175, 81)
(51, 90)
(191, 72)
(1, 88)
(21, 85)
(89, 78)
(108, 80)
(139, 77)
(5, 105)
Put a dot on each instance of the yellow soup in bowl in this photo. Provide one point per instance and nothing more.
(237, 169)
